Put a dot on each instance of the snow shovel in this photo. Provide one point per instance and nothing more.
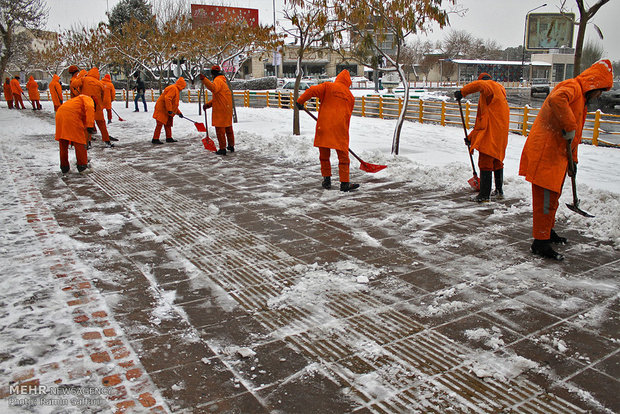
(364, 166)
(119, 117)
(199, 125)
(206, 141)
(474, 181)
(573, 179)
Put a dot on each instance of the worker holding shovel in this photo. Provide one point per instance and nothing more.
(490, 133)
(550, 150)
(55, 90)
(332, 127)
(166, 107)
(17, 90)
(221, 103)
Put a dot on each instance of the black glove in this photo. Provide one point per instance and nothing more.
(458, 95)
(300, 106)
(180, 115)
(467, 141)
(170, 113)
(572, 172)
(91, 130)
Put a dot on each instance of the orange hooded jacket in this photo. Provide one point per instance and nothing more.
(73, 117)
(221, 101)
(8, 92)
(168, 101)
(16, 87)
(490, 133)
(544, 160)
(92, 86)
(56, 90)
(337, 101)
(109, 92)
(33, 89)
(75, 84)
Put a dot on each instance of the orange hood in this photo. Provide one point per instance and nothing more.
(107, 78)
(598, 76)
(180, 83)
(344, 77)
(55, 78)
(93, 73)
(31, 79)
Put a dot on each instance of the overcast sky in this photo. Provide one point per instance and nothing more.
(502, 20)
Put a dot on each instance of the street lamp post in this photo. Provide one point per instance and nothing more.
(524, 33)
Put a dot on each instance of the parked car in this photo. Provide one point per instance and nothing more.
(609, 99)
(540, 85)
(288, 88)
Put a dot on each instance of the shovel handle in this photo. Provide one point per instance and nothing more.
(573, 179)
(471, 158)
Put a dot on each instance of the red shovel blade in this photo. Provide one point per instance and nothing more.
(371, 168)
(200, 127)
(474, 182)
(209, 144)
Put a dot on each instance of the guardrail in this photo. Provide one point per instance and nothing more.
(598, 125)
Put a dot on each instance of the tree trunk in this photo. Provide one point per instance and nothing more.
(296, 128)
(7, 50)
(581, 34)
(403, 112)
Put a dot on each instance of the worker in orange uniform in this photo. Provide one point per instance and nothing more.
(75, 119)
(93, 87)
(110, 94)
(75, 84)
(17, 91)
(166, 107)
(8, 93)
(545, 158)
(490, 133)
(222, 105)
(332, 127)
(55, 90)
(33, 93)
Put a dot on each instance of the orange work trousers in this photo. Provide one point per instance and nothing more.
(225, 134)
(17, 98)
(104, 130)
(80, 153)
(544, 205)
(10, 103)
(343, 164)
(488, 163)
(167, 127)
(109, 111)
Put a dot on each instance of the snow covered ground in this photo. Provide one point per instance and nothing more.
(432, 158)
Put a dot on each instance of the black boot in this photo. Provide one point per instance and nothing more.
(65, 168)
(543, 248)
(156, 142)
(171, 139)
(498, 193)
(113, 139)
(327, 183)
(221, 152)
(485, 187)
(230, 148)
(346, 186)
(557, 239)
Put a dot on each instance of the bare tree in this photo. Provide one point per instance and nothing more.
(592, 52)
(585, 15)
(311, 28)
(29, 14)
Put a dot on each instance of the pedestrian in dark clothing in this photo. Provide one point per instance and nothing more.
(140, 89)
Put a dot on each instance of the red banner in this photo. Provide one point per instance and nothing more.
(217, 15)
